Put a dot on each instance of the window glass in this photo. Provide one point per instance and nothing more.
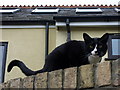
(117, 10)
(1, 61)
(8, 10)
(115, 46)
(45, 11)
(88, 10)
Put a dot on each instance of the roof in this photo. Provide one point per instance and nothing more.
(25, 15)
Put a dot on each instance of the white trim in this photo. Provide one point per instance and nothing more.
(25, 26)
(80, 10)
(117, 10)
(88, 24)
(8, 10)
(45, 10)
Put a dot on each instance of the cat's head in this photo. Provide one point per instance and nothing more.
(96, 46)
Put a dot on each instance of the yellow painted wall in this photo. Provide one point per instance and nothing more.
(28, 45)
(77, 32)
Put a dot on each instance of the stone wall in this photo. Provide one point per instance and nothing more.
(102, 75)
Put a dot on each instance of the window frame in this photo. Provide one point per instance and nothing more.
(88, 10)
(117, 10)
(8, 10)
(5, 44)
(45, 11)
(112, 36)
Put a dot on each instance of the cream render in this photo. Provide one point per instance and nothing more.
(28, 45)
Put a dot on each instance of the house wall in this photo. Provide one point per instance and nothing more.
(28, 45)
(77, 32)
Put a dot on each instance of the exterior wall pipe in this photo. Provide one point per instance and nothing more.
(68, 30)
(47, 39)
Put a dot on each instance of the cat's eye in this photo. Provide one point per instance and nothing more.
(91, 46)
(100, 46)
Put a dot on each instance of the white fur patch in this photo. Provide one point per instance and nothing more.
(94, 58)
(95, 49)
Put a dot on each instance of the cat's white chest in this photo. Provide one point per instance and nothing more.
(94, 59)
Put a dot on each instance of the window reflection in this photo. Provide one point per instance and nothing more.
(115, 46)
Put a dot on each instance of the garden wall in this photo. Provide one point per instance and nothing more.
(103, 75)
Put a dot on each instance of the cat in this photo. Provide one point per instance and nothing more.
(70, 54)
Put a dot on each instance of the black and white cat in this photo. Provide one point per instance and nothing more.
(70, 54)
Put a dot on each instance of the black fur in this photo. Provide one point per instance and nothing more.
(70, 54)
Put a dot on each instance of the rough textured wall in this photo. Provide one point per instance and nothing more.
(103, 75)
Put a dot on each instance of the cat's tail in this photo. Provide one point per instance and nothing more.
(22, 66)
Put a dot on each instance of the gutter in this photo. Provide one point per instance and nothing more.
(88, 24)
(60, 24)
(25, 26)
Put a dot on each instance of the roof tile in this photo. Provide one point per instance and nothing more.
(65, 6)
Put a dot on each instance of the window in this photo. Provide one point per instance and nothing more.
(88, 10)
(3, 54)
(8, 10)
(45, 11)
(114, 46)
(117, 10)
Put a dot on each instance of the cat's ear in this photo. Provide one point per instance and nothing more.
(87, 38)
(104, 38)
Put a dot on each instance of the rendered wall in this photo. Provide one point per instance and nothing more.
(27, 45)
(77, 32)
